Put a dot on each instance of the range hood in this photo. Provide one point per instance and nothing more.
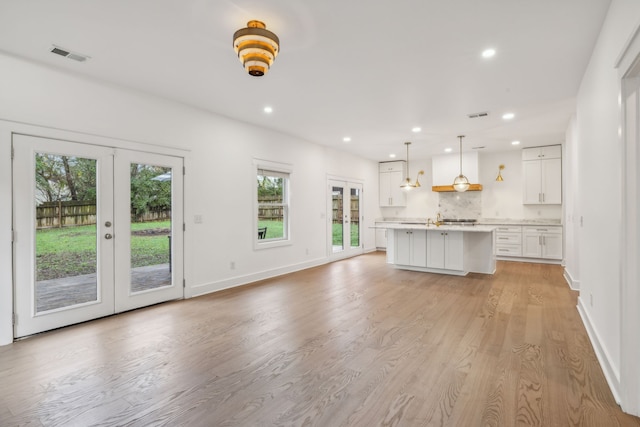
(446, 167)
(445, 188)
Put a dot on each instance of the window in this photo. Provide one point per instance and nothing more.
(272, 212)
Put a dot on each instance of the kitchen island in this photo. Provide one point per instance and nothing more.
(445, 249)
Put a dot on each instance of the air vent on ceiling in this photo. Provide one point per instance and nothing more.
(475, 115)
(67, 54)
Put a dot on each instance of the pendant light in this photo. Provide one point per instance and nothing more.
(461, 183)
(407, 184)
(499, 177)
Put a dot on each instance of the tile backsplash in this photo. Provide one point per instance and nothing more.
(467, 205)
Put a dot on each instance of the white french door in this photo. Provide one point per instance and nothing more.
(345, 218)
(97, 231)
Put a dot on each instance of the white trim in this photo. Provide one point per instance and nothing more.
(629, 388)
(627, 46)
(233, 282)
(7, 129)
(573, 283)
(611, 374)
(286, 170)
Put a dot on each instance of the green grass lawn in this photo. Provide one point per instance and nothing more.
(274, 231)
(71, 251)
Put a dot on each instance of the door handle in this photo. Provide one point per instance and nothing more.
(108, 236)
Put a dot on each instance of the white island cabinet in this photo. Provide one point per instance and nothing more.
(445, 249)
(456, 250)
(411, 248)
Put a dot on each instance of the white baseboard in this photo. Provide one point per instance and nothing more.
(610, 372)
(207, 288)
(573, 283)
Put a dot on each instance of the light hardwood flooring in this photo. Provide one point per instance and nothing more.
(352, 343)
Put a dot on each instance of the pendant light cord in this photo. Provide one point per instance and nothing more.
(460, 136)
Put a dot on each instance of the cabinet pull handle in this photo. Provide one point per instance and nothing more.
(542, 197)
(503, 238)
(540, 240)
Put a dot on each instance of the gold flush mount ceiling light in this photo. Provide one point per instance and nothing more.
(256, 47)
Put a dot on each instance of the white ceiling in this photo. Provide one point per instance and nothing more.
(368, 69)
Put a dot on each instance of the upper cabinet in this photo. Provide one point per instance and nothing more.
(445, 168)
(542, 175)
(392, 174)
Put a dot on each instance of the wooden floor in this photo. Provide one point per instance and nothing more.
(352, 343)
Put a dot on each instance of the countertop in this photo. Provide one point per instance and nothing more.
(408, 225)
(481, 221)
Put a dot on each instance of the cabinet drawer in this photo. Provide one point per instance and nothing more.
(542, 229)
(509, 250)
(509, 238)
(508, 229)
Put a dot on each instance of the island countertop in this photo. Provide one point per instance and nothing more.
(422, 226)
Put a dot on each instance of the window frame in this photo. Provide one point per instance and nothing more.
(282, 170)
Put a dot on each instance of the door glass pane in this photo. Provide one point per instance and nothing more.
(66, 236)
(337, 222)
(355, 217)
(150, 227)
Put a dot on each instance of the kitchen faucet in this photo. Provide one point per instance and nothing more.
(438, 221)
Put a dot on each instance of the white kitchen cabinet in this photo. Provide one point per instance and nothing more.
(411, 248)
(542, 242)
(508, 241)
(391, 176)
(445, 250)
(542, 175)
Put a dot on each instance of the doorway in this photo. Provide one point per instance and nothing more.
(98, 231)
(345, 207)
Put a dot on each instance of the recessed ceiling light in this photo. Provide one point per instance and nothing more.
(488, 53)
(393, 156)
(508, 116)
(347, 139)
(515, 142)
(416, 129)
(448, 150)
(268, 109)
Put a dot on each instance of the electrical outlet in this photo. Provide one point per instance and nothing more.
(197, 219)
(232, 265)
(591, 299)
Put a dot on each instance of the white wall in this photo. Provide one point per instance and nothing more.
(599, 164)
(219, 179)
(571, 185)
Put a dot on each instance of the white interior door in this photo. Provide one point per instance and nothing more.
(79, 253)
(345, 218)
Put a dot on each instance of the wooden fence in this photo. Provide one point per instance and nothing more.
(337, 210)
(70, 213)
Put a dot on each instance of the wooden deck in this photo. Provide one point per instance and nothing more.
(351, 343)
